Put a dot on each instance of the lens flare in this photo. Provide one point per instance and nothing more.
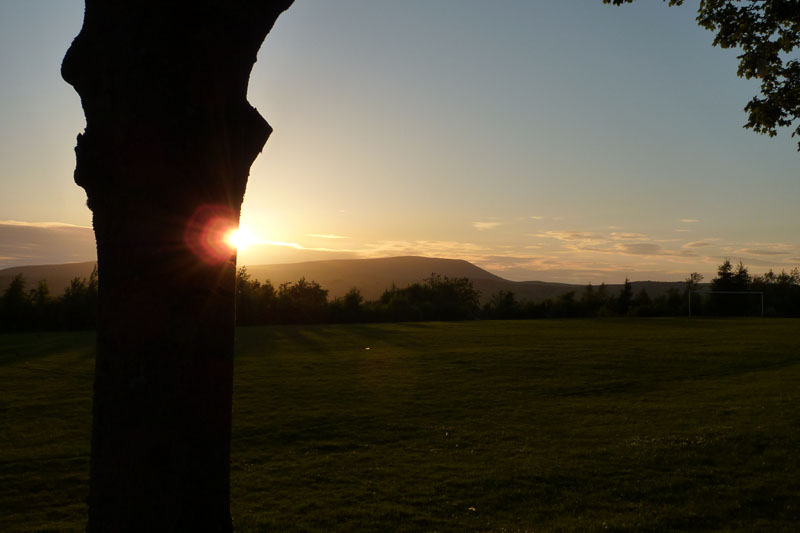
(207, 233)
(240, 238)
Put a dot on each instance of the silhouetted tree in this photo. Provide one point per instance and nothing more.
(503, 304)
(41, 307)
(741, 278)
(671, 303)
(694, 301)
(256, 302)
(724, 279)
(730, 280)
(642, 304)
(15, 306)
(164, 160)
(693, 281)
(768, 33)
(77, 307)
(303, 302)
(246, 295)
(565, 305)
(437, 298)
(453, 298)
(781, 291)
(595, 302)
(348, 308)
(625, 298)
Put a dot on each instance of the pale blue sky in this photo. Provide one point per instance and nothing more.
(547, 139)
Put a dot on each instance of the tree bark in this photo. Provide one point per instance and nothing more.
(164, 160)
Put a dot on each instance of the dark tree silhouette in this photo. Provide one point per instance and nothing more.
(164, 160)
(693, 281)
(625, 298)
(503, 304)
(14, 305)
(725, 276)
(730, 280)
(768, 33)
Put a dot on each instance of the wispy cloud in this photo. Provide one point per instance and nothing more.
(570, 235)
(294, 245)
(578, 255)
(463, 250)
(486, 224)
(689, 220)
(570, 255)
(753, 251)
(641, 248)
(616, 242)
(617, 236)
(327, 236)
(767, 262)
(38, 243)
(298, 246)
(40, 224)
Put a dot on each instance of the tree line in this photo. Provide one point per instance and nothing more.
(38, 310)
(436, 298)
(734, 292)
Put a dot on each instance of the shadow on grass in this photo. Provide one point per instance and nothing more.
(18, 348)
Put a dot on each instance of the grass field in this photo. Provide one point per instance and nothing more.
(663, 424)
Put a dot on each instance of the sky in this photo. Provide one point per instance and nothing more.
(549, 140)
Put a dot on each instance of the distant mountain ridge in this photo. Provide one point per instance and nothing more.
(58, 277)
(373, 276)
(370, 276)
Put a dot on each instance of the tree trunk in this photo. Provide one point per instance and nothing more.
(164, 160)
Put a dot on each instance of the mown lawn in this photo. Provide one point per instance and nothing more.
(662, 424)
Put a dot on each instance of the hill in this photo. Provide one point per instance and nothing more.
(370, 276)
(57, 276)
(373, 276)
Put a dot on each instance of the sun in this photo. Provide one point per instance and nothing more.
(240, 238)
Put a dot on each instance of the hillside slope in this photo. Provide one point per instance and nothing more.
(373, 276)
(57, 276)
(370, 276)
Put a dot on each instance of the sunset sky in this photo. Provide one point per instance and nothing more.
(542, 140)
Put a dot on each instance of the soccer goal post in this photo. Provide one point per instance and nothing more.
(745, 293)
